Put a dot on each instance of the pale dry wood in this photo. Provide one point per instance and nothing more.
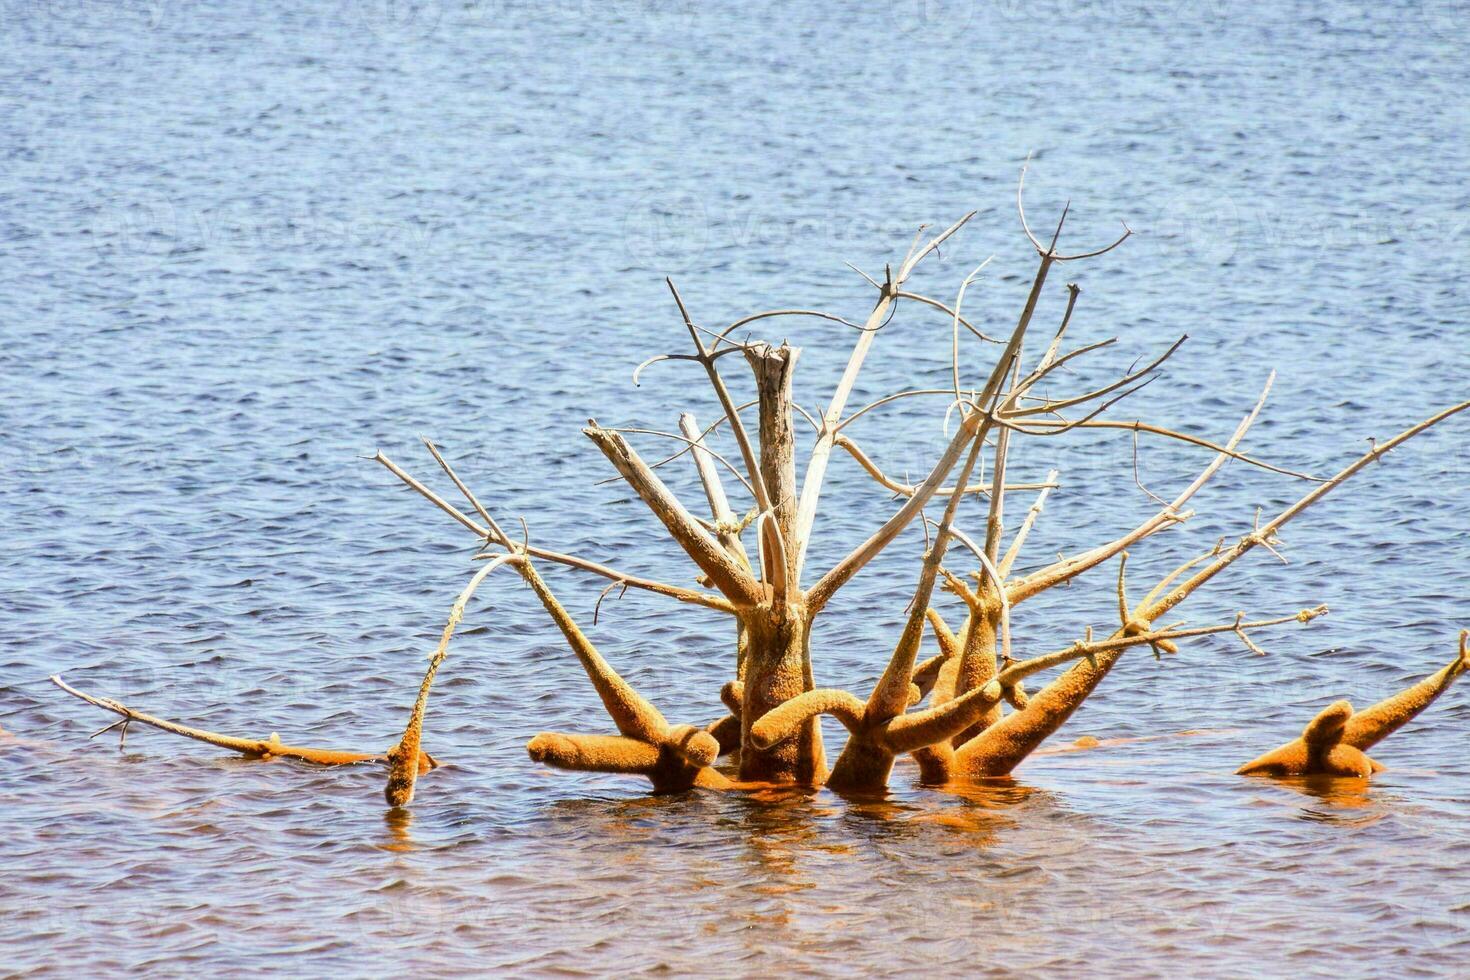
(909, 489)
(751, 318)
(632, 430)
(1050, 427)
(773, 367)
(816, 469)
(1034, 512)
(1140, 426)
(1171, 513)
(723, 571)
(995, 519)
(732, 413)
(890, 694)
(1051, 249)
(714, 490)
(998, 749)
(820, 593)
(1054, 406)
(947, 311)
(493, 533)
(959, 301)
(976, 423)
(1265, 533)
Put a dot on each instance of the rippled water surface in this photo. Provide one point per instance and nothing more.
(245, 247)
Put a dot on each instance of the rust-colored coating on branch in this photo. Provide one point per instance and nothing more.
(1334, 741)
(256, 748)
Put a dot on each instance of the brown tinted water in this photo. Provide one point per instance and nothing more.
(245, 246)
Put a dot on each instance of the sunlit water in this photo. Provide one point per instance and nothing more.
(243, 248)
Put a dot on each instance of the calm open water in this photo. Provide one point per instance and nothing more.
(244, 247)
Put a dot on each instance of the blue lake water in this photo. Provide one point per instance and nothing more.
(245, 246)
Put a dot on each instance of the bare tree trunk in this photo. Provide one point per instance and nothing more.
(777, 659)
(773, 367)
(777, 669)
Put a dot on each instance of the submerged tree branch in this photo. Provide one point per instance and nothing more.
(257, 748)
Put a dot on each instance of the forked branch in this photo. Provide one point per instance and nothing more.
(493, 533)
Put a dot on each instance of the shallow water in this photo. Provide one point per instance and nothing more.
(245, 247)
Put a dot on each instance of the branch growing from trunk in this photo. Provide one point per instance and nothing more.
(693, 596)
(999, 749)
(714, 491)
(1067, 569)
(908, 489)
(723, 571)
(732, 414)
(816, 469)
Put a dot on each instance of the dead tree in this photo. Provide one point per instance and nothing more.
(750, 557)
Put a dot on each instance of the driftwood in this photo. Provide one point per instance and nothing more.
(749, 558)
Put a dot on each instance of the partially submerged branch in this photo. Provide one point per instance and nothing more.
(255, 748)
(1334, 741)
(402, 773)
(1000, 748)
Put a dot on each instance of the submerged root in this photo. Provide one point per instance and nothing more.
(1334, 741)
